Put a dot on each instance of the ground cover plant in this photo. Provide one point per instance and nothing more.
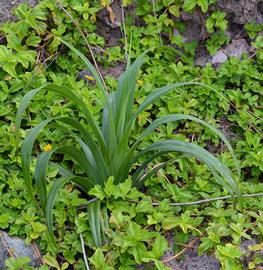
(139, 221)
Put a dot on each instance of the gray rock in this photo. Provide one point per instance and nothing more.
(190, 260)
(192, 31)
(202, 57)
(15, 247)
(242, 11)
(200, 61)
(219, 58)
(237, 48)
(3, 256)
(6, 7)
(246, 243)
(194, 262)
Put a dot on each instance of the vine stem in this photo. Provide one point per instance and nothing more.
(194, 202)
(213, 199)
(176, 256)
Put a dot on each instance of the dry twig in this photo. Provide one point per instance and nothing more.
(176, 256)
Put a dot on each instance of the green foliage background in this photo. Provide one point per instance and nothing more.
(33, 55)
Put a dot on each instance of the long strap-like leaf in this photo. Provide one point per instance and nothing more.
(53, 193)
(91, 68)
(177, 117)
(215, 166)
(150, 99)
(65, 92)
(26, 152)
(125, 165)
(21, 109)
(124, 98)
(109, 125)
(94, 221)
(102, 162)
(42, 163)
(157, 93)
(40, 176)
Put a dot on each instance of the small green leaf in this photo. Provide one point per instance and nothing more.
(4, 221)
(205, 245)
(230, 251)
(203, 4)
(38, 227)
(13, 42)
(109, 187)
(99, 262)
(189, 4)
(144, 206)
(159, 246)
(33, 40)
(26, 57)
(17, 263)
(126, 187)
(160, 265)
(64, 266)
(170, 223)
(51, 261)
(210, 25)
(9, 67)
(175, 10)
(138, 251)
(97, 191)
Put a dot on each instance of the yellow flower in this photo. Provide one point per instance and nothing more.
(90, 78)
(140, 82)
(47, 147)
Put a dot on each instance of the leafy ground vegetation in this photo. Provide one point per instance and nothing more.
(136, 227)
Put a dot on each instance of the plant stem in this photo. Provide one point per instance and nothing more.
(213, 199)
(84, 252)
(191, 203)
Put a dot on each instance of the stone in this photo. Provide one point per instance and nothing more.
(242, 11)
(202, 57)
(193, 29)
(219, 58)
(190, 260)
(6, 7)
(201, 61)
(237, 48)
(15, 247)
